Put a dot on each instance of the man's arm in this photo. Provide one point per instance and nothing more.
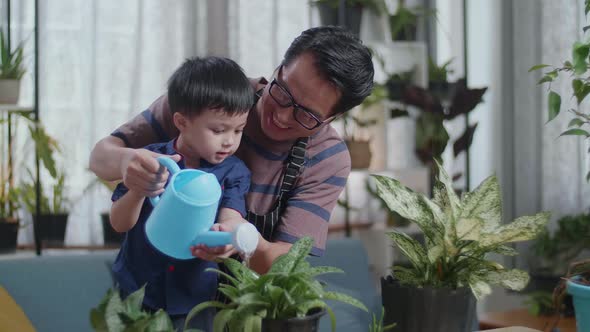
(138, 168)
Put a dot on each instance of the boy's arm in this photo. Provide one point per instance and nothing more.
(125, 211)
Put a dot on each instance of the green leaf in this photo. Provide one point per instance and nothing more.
(113, 308)
(575, 132)
(581, 90)
(484, 202)
(161, 322)
(221, 319)
(579, 55)
(554, 103)
(134, 300)
(202, 306)
(287, 262)
(576, 122)
(344, 298)
(536, 67)
(505, 250)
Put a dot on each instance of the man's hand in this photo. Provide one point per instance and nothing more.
(143, 173)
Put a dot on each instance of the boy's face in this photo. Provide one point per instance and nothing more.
(213, 135)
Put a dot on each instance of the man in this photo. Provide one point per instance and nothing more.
(299, 164)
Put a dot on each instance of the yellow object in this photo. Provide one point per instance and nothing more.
(12, 317)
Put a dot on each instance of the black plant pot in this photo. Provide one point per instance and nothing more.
(8, 236)
(427, 309)
(110, 236)
(53, 229)
(309, 323)
(329, 16)
(395, 89)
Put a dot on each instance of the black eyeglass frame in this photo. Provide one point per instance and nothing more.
(296, 107)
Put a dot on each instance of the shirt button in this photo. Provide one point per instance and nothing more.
(171, 268)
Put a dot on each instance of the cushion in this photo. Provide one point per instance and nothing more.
(12, 317)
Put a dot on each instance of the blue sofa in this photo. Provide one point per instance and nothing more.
(57, 292)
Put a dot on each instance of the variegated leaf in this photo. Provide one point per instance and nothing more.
(409, 204)
(434, 253)
(505, 250)
(484, 202)
(446, 193)
(512, 279)
(521, 229)
(411, 248)
(469, 228)
(406, 275)
(480, 289)
(290, 260)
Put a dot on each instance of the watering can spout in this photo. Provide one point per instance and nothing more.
(244, 238)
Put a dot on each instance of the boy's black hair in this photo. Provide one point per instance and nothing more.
(341, 58)
(209, 83)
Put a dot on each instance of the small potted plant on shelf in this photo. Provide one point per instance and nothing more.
(287, 298)
(54, 208)
(9, 222)
(403, 24)
(11, 71)
(328, 10)
(450, 270)
(438, 79)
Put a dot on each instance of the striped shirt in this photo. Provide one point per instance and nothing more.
(327, 165)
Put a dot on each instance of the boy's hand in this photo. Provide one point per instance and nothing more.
(213, 253)
(143, 173)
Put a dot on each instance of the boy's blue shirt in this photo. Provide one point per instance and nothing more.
(175, 285)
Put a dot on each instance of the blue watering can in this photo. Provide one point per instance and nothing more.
(184, 214)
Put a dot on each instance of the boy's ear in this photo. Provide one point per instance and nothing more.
(179, 120)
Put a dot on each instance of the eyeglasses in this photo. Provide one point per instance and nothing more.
(303, 116)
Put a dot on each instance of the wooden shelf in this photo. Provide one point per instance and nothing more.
(13, 108)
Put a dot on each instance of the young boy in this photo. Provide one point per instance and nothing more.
(209, 99)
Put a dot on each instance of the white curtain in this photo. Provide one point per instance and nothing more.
(102, 62)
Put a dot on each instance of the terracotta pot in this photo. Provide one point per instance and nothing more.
(360, 154)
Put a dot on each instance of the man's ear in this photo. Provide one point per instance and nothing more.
(180, 121)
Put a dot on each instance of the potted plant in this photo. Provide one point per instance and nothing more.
(403, 24)
(287, 298)
(431, 135)
(450, 270)
(54, 208)
(9, 222)
(577, 283)
(397, 83)
(11, 71)
(114, 314)
(438, 80)
(577, 73)
(328, 10)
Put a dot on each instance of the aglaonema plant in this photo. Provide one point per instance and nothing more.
(289, 289)
(459, 234)
(116, 315)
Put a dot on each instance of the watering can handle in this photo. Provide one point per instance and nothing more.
(172, 167)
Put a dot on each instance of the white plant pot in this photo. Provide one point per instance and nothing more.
(401, 143)
(9, 91)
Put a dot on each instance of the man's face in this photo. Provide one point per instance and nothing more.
(212, 135)
(307, 89)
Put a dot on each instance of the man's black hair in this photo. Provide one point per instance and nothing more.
(341, 58)
(209, 83)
